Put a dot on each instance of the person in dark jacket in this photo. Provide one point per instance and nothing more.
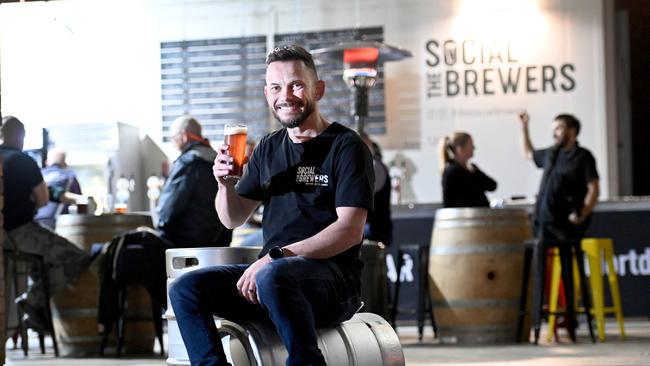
(379, 226)
(463, 183)
(186, 213)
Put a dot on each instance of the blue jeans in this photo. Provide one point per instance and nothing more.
(298, 294)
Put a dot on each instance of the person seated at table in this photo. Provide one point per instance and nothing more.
(463, 183)
(63, 187)
(24, 192)
(186, 213)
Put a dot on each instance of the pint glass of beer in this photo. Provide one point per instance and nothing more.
(235, 138)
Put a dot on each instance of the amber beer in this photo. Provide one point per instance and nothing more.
(235, 138)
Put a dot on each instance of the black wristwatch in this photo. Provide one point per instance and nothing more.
(276, 253)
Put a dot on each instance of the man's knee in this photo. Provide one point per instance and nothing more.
(184, 286)
(272, 275)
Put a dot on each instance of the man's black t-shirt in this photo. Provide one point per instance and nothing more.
(302, 184)
(21, 175)
(564, 184)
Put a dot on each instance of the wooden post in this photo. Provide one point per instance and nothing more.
(3, 325)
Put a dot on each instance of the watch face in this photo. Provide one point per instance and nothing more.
(276, 253)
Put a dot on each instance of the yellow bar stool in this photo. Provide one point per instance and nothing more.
(596, 250)
(554, 291)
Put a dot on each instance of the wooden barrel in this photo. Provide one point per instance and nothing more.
(475, 273)
(374, 279)
(74, 308)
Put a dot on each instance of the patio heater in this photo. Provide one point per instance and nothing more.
(360, 60)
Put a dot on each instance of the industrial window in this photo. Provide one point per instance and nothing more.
(221, 81)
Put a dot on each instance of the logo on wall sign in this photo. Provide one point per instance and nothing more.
(484, 68)
(308, 175)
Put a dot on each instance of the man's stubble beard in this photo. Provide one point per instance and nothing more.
(309, 109)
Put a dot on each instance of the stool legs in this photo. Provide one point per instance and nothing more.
(613, 287)
(597, 292)
(38, 264)
(48, 311)
(596, 249)
(121, 301)
(565, 249)
(539, 264)
(21, 329)
(424, 304)
(586, 299)
(156, 312)
(566, 260)
(421, 303)
(424, 301)
(553, 293)
(393, 308)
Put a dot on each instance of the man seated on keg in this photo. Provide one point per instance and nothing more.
(24, 192)
(315, 178)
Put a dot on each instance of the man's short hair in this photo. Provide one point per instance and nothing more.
(570, 121)
(11, 128)
(292, 52)
(187, 123)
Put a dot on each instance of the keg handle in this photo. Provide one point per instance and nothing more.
(184, 262)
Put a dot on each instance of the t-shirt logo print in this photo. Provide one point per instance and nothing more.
(308, 176)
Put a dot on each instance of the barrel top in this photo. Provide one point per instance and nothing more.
(103, 219)
(481, 213)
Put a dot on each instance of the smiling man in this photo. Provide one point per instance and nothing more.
(315, 179)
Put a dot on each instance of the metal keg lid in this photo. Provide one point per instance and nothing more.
(181, 260)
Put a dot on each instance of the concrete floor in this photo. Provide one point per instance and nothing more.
(635, 350)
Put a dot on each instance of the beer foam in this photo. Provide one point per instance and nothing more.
(234, 130)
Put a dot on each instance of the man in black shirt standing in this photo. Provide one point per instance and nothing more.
(315, 179)
(567, 196)
(569, 188)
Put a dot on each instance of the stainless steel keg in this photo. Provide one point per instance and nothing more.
(365, 340)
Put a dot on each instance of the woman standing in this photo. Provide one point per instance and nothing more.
(463, 183)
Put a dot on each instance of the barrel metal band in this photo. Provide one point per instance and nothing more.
(78, 340)
(74, 312)
(450, 224)
(478, 248)
(476, 303)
